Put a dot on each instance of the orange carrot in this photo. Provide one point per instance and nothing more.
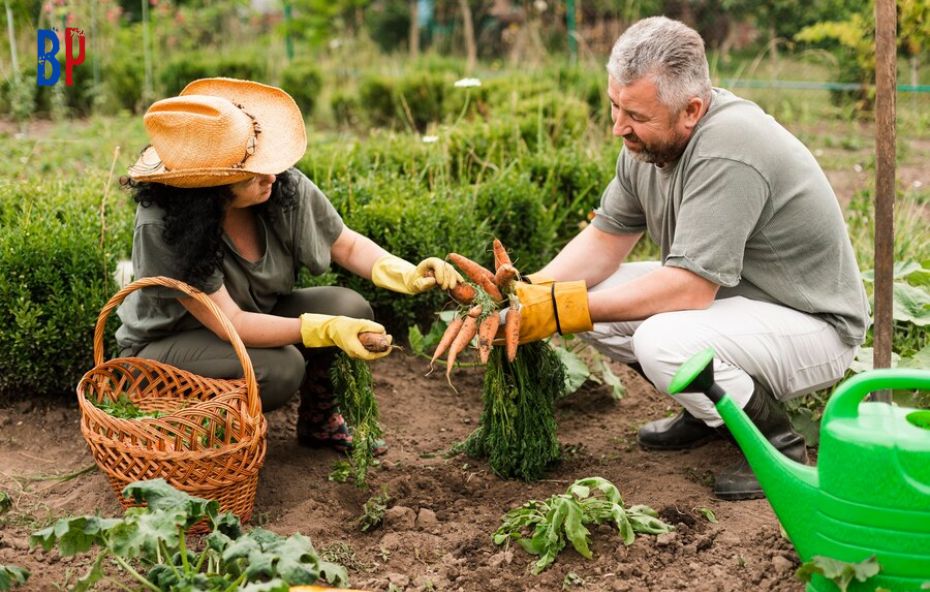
(512, 332)
(463, 293)
(451, 331)
(486, 332)
(500, 255)
(474, 271)
(461, 341)
(375, 342)
(504, 277)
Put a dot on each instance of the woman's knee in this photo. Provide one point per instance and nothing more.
(279, 372)
(352, 304)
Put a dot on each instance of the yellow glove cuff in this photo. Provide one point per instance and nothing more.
(395, 274)
(538, 280)
(571, 307)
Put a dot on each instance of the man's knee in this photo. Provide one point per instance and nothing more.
(659, 344)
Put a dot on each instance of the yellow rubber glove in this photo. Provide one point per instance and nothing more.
(558, 307)
(319, 330)
(393, 273)
(538, 280)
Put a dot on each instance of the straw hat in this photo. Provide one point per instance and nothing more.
(220, 131)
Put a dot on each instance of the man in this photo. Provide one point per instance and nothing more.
(756, 262)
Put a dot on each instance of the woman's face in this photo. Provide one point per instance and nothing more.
(252, 191)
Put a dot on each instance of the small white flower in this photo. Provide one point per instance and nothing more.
(857, 167)
(467, 83)
(917, 184)
(818, 152)
(540, 5)
(429, 139)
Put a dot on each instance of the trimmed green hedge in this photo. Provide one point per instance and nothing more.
(54, 279)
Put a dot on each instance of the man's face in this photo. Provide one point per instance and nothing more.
(650, 130)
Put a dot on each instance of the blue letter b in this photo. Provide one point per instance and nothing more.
(45, 57)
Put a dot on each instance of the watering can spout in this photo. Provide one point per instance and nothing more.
(791, 487)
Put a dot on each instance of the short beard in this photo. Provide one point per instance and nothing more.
(660, 154)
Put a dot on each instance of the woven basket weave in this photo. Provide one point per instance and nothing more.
(209, 437)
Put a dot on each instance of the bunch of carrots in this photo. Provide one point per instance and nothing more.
(481, 299)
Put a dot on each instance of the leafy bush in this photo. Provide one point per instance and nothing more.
(376, 96)
(302, 80)
(186, 68)
(125, 81)
(54, 279)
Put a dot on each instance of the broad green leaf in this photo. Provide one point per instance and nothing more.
(296, 560)
(416, 340)
(576, 371)
(93, 575)
(275, 585)
(624, 528)
(159, 495)
(911, 304)
(920, 359)
(74, 535)
(12, 575)
(865, 360)
(839, 572)
(708, 515)
(142, 529)
(575, 529)
(901, 270)
(334, 574)
(610, 491)
(617, 390)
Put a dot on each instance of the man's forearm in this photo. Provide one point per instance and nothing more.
(592, 256)
(663, 290)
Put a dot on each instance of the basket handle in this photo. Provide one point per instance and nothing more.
(251, 385)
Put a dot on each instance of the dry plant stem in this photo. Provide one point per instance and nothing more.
(500, 255)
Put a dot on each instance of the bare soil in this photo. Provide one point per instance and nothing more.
(437, 531)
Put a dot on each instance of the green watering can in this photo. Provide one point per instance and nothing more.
(870, 491)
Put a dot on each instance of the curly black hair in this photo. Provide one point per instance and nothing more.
(194, 219)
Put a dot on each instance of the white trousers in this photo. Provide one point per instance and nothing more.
(790, 352)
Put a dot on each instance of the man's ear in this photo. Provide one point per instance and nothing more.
(692, 112)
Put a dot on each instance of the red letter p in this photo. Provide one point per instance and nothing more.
(72, 60)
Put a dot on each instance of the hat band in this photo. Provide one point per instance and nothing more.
(252, 141)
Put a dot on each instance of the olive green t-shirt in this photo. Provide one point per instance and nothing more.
(300, 236)
(747, 207)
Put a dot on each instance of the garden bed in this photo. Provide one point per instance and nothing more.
(442, 511)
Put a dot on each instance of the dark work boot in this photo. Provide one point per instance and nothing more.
(738, 481)
(682, 432)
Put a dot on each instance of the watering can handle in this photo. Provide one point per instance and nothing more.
(845, 401)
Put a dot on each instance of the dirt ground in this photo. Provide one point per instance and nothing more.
(437, 532)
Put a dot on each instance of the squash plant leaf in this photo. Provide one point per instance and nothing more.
(911, 304)
(73, 535)
(12, 575)
(839, 572)
(562, 517)
(159, 495)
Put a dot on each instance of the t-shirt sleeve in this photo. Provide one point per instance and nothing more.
(317, 227)
(620, 211)
(722, 204)
(153, 256)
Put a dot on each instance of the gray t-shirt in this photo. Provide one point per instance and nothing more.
(301, 236)
(747, 207)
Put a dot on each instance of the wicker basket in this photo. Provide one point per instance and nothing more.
(209, 436)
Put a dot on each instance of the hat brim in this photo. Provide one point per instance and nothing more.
(281, 142)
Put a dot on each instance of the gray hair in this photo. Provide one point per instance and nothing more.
(668, 51)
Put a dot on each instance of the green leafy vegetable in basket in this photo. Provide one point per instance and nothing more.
(122, 407)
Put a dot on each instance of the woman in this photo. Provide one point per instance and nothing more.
(222, 208)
